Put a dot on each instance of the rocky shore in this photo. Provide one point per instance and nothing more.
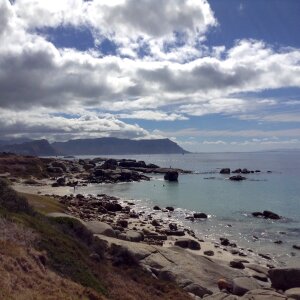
(164, 248)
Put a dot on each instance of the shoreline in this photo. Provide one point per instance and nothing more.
(168, 257)
(226, 252)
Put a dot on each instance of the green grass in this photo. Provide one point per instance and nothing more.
(43, 204)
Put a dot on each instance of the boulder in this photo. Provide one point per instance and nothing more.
(257, 214)
(175, 232)
(285, 278)
(297, 247)
(156, 207)
(267, 214)
(221, 296)
(225, 171)
(110, 164)
(152, 166)
(236, 264)
(173, 226)
(123, 223)
(97, 227)
(209, 253)
(113, 206)
(155, 223)
(188, 243)
(132, 236)
(263, 294)
(61, 181)
(59, 164)
(242, 285)
(237, 178)
(293, 293)
(171, 176)
(170, 208)
(258, 268)
(245, 171)
(224, 241)
(270, 215)
(200, 215)
(197, 290)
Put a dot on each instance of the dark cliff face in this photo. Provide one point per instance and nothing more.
(36, 148)
(117, 146)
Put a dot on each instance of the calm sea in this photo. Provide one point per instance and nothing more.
(228, 204)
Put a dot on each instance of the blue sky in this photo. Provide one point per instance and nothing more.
(211, 75)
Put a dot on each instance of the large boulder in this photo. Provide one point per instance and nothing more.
(110, 164)
(237, 178)
(270, 215)
(188, 243)
(197, 290)
(59, 164)
(242, 285)
(221, 296)
(61, 181)
(263, 294)
(293, 293)
(132, 236)
(97, 227)
(132, 164)
(171, 176)
(200, 215)
(267, 214)
(225, 171)
(285, 278)
(113, 206)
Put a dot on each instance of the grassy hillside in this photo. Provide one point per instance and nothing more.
(51, 258)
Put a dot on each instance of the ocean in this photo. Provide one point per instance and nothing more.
(228, 204)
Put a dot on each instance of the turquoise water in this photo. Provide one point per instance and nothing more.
(228, 204)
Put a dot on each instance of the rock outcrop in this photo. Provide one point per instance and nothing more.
(285, 278)
(171, 176)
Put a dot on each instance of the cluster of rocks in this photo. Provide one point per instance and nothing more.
(266, 214)
(238, 177)
(143, 235)
(124, 221)
(101, 170)
(238, 171)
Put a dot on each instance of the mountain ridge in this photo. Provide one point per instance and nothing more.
(98, 146)
(108, 145)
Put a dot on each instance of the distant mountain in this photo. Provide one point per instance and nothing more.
(102, 146)
(14, 141)
(35, 148)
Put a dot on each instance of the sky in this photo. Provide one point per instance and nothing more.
(216, 75)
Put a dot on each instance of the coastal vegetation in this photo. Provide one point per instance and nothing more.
(60, 249)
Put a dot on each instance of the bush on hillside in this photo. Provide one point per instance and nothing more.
(11, 201)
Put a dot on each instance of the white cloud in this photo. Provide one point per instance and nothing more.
(288, 117)
(152, 115)
(295, 132)
(35, 75)
(45, 124)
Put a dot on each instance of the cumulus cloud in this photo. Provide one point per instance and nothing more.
(53, 126)
(175, 73)
(152, 115)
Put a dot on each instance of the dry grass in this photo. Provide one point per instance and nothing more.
(23, 166)
(46, 258)
(16, 234)
(24, 273)
(43, 204)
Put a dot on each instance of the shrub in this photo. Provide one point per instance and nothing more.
(11, 201)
